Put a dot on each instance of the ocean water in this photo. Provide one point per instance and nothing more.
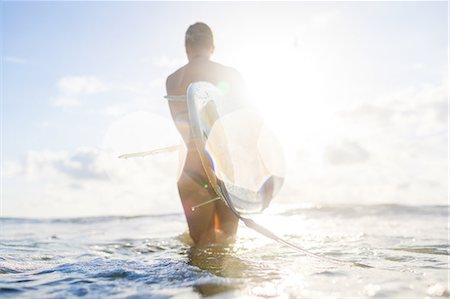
(148, 257)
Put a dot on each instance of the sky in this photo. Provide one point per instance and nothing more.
(355, 92)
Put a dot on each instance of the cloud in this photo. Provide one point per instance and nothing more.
(74, 91)
(441, 110)
(81, 85)
(73, 88)
(369, 113)
(66, 102)
(393, 149)
(166, 62)
(325, 18)
(346, 152)
(158, 83)
(36, 163)
(94, 181)
(84, 164)
(11, 168)
(418, 66)
(114, 110)
(13, 60)
(419, 110)
(89, 181)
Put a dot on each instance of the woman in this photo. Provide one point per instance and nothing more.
(213, 222)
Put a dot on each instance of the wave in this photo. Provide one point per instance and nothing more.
(345, 210)
(370, 210)
(83, 220)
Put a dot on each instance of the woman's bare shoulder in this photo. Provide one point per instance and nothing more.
(177, 74)
(174, 79)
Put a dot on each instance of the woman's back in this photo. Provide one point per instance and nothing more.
(199, 69)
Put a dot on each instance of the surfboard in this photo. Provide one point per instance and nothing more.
(233, 146)
(239, 157)
(166, 149)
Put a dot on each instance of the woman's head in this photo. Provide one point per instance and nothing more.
(199, 40)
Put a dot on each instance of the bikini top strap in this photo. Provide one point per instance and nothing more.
(181, 98)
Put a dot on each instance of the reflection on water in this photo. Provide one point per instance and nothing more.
(223, 261)
(220, 261)
(141, 257)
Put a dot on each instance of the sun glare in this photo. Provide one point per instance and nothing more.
(284, 83)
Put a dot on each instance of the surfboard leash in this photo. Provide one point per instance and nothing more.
(250, 223)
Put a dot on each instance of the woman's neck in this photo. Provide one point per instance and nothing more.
(199, 57)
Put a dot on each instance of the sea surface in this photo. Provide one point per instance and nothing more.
(407, 248)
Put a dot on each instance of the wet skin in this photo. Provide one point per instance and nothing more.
(214, 222)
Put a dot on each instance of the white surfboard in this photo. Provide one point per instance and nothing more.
(230, 144)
